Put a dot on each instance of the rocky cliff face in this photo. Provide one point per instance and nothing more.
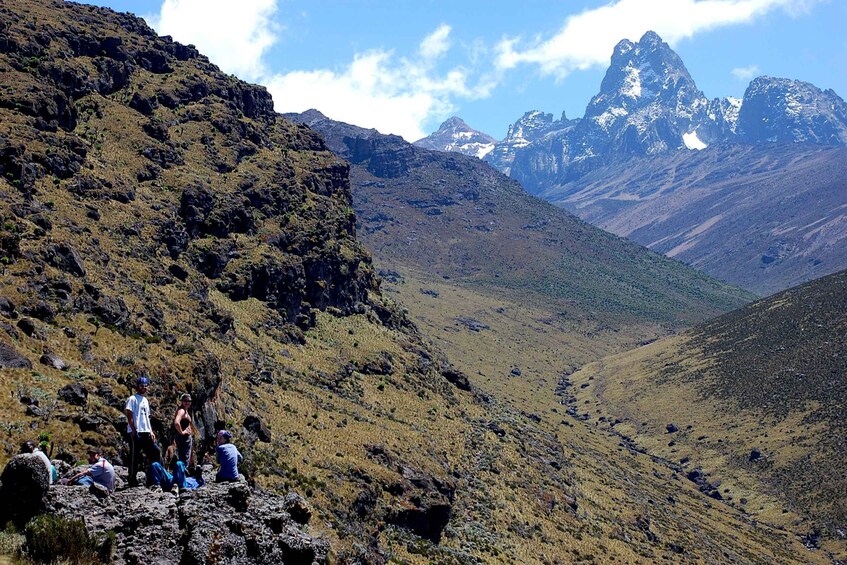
(533, 127)
(777, 110)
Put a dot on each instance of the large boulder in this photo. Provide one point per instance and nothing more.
(24, 485)
(11, 359)
(74, 393)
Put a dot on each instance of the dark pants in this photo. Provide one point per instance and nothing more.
(183, 448)
(141, 444)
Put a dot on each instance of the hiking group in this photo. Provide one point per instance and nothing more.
(142, 445)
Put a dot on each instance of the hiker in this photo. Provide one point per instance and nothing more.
(99, 471)
(184, 428)
(142, 439)
(31, 447)
(228, 457)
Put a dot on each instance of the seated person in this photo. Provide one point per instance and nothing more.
(30, 446)
(100, 472)
(228, 457)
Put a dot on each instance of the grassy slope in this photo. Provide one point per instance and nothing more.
(442, 273)
(769, 377)
(470, 244)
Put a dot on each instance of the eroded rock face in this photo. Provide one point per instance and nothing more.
(222, 523)
(421, 503)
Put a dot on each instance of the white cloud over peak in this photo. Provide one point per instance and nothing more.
(745, 73)
(377, 89)
(380, 90)
(234, 35)
(587, 39)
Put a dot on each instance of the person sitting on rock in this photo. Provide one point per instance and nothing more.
(100, 472)
(228, 457)
(31, 447)
(142, 439)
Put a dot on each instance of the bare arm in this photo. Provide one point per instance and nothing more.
(80, 474)
(180, 414)
(130, 417)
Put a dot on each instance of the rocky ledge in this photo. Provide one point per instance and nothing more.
(221, 523)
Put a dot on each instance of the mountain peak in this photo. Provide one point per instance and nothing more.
(454, 122)
(455, 135)
(786, 110)
(650, 38)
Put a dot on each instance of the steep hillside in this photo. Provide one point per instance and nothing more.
(502, 279)
(159, 219)
(756, 401)
(763, 217)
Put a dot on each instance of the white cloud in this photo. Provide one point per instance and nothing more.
(436, 44)
(379, 90)
(587, 39)
(234, 35)
(745, 73)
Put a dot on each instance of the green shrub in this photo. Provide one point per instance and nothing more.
(50, 538)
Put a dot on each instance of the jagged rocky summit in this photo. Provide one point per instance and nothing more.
(455, 135)
(648, 104)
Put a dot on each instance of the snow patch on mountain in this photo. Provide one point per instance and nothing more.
(692, 141)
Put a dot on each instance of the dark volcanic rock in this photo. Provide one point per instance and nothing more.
(218, 523)
(53, 360)
(11, 359)
(297, 507)
(7, 307)
(74, 393)
(457, 378)
(23, 488)
(255, 426)
(63, 256)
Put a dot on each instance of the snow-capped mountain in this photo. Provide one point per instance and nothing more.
(531, 127)
(456, 135)
(783, 110)
(648, 104)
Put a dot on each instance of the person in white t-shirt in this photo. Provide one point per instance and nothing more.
(142, 439)
(31, 447)
(100, 472)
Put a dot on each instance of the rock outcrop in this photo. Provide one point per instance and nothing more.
(225, 523)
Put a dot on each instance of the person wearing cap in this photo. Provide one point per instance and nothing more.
(184, 428)
(99, 471)
(228, 457)
(141, 436)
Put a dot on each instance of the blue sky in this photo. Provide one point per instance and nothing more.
(404, 66)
